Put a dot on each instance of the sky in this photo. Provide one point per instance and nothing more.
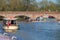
(49, 0)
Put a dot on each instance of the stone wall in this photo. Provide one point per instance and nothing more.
(32, 15)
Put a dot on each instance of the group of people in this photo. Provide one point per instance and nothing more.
(41, 18)
(8, 23)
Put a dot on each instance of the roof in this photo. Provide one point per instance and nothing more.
(10, 18)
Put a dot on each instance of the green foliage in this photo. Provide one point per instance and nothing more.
(28, 5)
(58, 2)
(17, 5)
(49, 5)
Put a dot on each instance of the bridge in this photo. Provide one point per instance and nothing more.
(32, 15)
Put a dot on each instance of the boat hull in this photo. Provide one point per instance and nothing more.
(10, 29)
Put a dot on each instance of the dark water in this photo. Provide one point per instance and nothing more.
(37, 31)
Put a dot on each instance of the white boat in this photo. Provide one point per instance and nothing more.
(13, 25)
(5, 36)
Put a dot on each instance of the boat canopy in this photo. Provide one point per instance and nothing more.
(10, 18)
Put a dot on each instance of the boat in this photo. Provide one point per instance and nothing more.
(10, 25)
(6, 36)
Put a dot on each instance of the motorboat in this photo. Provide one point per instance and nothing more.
(10, 24)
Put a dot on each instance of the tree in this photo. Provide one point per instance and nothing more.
(18, 5)
(58, 2)
(47, 5)
(30, 5)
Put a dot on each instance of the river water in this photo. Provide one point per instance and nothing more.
(36, 31)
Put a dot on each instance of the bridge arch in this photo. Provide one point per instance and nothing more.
(22, 17)
(1, 17)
